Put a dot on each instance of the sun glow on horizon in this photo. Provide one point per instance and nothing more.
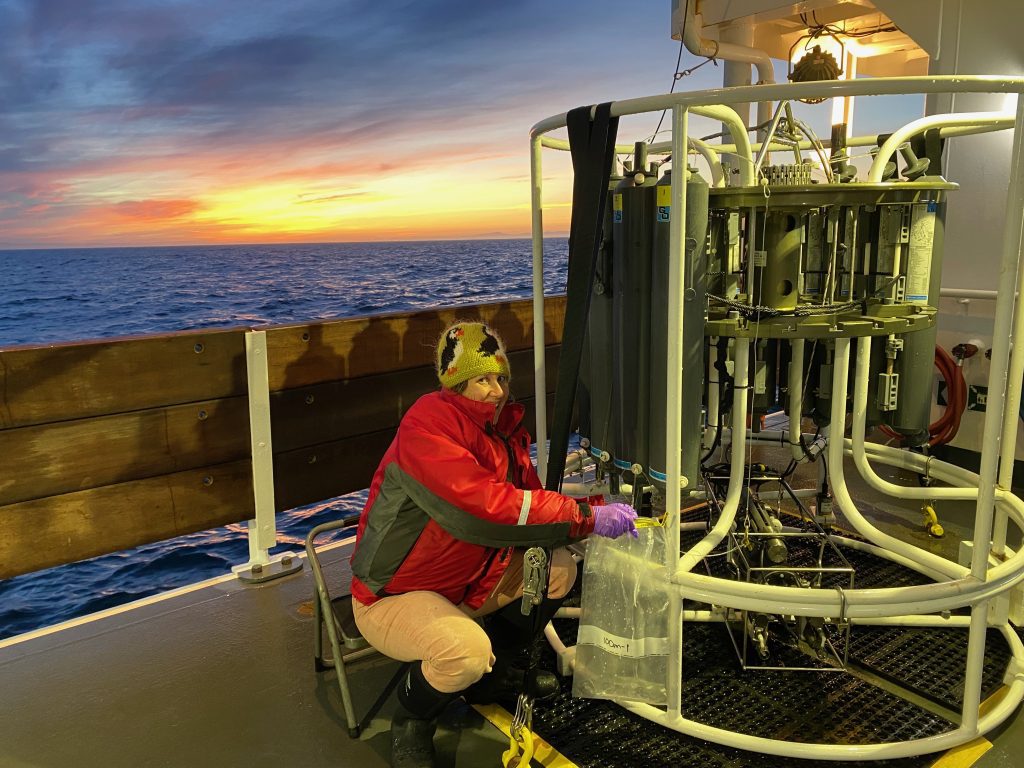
(429, 201)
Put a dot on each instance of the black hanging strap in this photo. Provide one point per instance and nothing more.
(592, 146)
(933, 146)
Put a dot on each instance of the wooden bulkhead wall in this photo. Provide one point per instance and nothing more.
(110, 444)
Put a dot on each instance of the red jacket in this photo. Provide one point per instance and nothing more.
(450, 498)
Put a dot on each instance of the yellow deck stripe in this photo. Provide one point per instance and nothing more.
(543, 752)
(967, 754)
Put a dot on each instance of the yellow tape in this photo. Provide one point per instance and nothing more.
(543, 752)
(965, 755)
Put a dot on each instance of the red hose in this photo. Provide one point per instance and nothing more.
(945, 428)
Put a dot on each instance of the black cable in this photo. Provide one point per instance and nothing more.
(677, 75)
(725, 389)
(675, 79)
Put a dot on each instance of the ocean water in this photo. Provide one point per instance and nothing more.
(72, 294)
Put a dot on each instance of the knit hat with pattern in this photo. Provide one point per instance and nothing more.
(469, 349)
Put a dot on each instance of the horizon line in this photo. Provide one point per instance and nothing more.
(10, 249)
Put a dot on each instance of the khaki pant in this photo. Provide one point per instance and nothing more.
(454, 648)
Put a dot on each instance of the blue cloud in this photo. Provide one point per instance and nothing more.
(80, 78)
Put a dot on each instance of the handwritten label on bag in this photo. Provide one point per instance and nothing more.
(634, 648)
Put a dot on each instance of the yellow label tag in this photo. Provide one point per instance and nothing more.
(664, 194)
(616, 202)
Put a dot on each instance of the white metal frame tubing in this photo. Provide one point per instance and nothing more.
(956, 586)
(1013, 255)
(911, 129)
(539, 374)
(674, 394)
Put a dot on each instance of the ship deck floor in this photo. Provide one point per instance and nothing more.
(217, 676)
(222, 675)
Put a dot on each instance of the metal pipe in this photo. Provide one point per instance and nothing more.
(860, 460)
(967, 293)
(965, 483)
(707, 151)
(861, 141)
(937, 622)
(965, 480)
(1002, 330)
(855, 603)
(863, 546)
(732, 498)
(975, 663)
(992, 718)
(873, 86)
(738, 131)
(713, 49)
(539, 374)
(674, 395)
(901, 135)
(796, 396)
(576, 460)
(837, 476)
(580, 490)
(1013, 252)
(826, 752)
(766, 141)
(714, 163)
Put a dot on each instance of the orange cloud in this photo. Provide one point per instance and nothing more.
(156, 210)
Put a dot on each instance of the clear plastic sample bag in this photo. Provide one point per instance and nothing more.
(623, 645)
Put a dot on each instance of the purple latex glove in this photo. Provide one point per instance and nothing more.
(613, 520)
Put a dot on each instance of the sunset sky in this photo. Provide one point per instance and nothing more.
(160, 122)
(179, 121)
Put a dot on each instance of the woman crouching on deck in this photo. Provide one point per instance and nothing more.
(452, 506)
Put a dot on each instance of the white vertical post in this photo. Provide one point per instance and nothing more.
(1013, 252)
(976, 637)
(1001, 340)
(540, 399)
(263, 529)
(674, 395)
(994, 409)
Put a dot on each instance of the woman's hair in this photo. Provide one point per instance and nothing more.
(462, 385)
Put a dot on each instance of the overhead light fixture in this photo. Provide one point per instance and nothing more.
(820, 61)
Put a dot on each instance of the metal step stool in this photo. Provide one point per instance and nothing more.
(341, 631)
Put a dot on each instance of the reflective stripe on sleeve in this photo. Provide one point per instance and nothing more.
(524, 511)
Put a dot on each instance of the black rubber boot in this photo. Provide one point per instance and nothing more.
(511, 634)
(415, 720)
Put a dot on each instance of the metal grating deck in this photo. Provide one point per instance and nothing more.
(804, 707)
